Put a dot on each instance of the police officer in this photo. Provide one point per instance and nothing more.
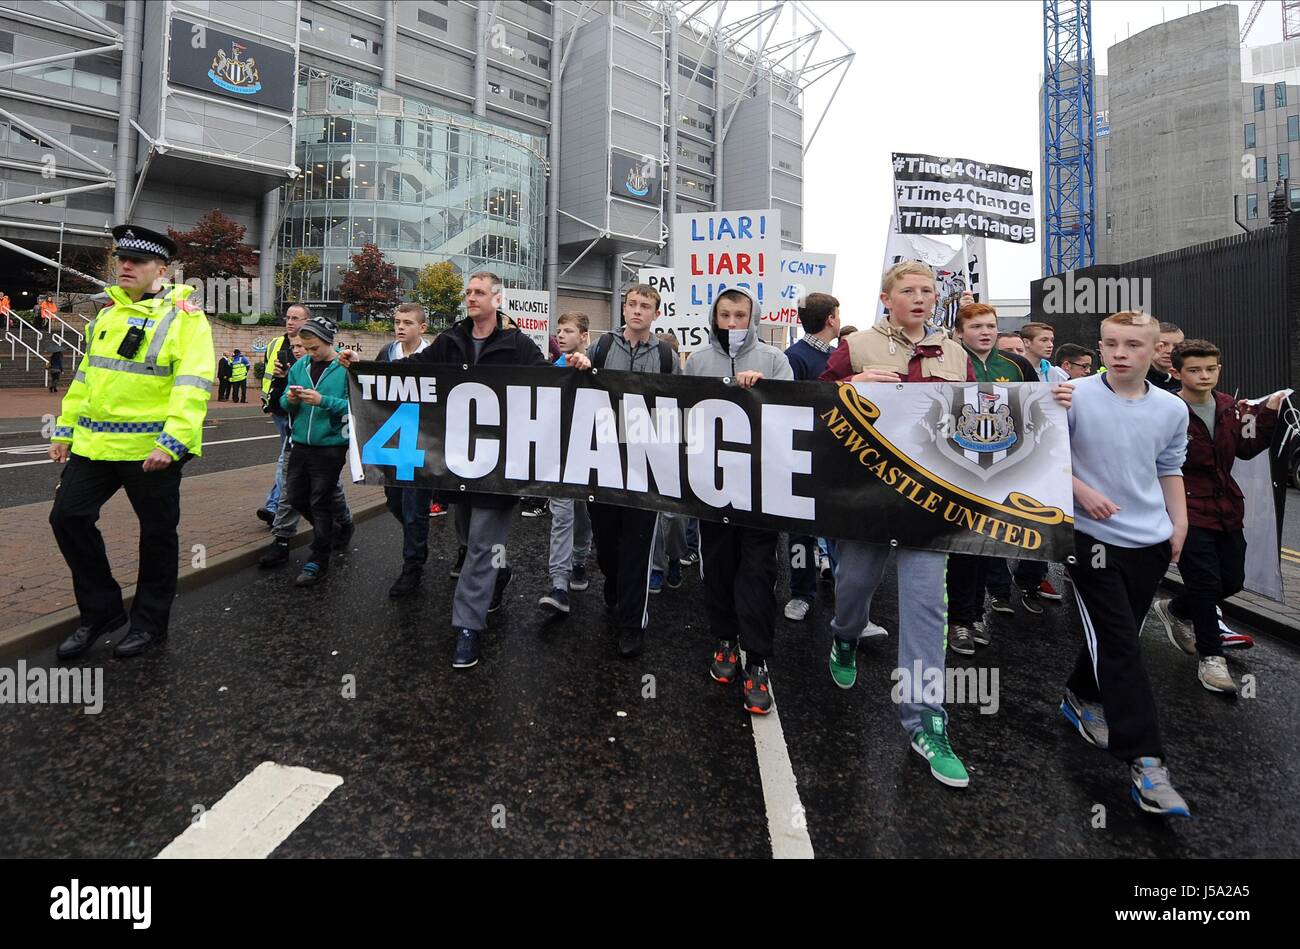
(131, 418)
(239, 378)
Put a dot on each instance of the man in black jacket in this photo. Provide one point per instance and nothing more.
(485, 337)
(1161, 374)
(223, 377)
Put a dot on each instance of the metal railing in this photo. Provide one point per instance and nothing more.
(14, 341)
(78, 347)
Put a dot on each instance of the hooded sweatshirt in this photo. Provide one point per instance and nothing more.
(733, 351)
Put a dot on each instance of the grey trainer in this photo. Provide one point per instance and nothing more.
(1214, 675)
(1088, 718)
(1179, 631)
(1152, 790)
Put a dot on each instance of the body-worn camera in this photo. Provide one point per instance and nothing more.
(131, 343)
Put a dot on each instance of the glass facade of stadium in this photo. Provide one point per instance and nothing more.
(423, 183)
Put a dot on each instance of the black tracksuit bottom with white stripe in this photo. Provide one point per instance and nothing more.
(740, 568)
(1114, 587)
(625, 540)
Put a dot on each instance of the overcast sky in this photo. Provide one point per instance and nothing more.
(955, 79)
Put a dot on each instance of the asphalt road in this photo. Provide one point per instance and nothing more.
(552, 745)
(235, 440)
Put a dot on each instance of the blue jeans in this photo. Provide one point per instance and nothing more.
(411, 507)
(277, 489)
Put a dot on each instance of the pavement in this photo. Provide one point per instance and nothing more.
(219, 492)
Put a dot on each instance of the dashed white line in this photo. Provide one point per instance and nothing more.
(256, 815)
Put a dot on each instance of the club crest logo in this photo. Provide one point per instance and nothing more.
(637, 183)
(986, 429)
(234, 74)
(983, 428)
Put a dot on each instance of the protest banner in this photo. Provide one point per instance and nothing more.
(692, 332)
(716, 251)
(801, 273)
(1263, 482)
(531, 311)
(977, 468)
(960, 196)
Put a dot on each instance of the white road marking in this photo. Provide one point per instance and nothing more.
(227, 441)
(787, 823)
(256, 815)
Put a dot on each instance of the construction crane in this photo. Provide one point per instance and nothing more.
(1290, 19)
(1251, 17)
(1069, 133)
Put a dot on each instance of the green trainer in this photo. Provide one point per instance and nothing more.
(931, 743)
(844, 662)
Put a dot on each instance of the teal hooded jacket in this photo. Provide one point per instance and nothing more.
(324, 424)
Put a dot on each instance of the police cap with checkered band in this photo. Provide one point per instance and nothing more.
(139, 243)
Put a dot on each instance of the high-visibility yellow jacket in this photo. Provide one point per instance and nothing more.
(268, 368)
(238, 371)
(121, 409)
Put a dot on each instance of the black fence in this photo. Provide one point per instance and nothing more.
(1242, 293)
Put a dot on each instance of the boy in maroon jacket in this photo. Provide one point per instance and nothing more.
(1213, 562)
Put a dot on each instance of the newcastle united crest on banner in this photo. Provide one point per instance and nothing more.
(233, 74)
(985, 428)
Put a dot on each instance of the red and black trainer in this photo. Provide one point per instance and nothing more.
(725, 662)
(758, 692)
(1047, 591)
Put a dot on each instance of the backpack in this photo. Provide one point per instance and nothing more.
(606, 341)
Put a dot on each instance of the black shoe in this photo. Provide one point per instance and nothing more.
(631, 642)
(136, 642)
(537, 509)
(408, 581)
(264, 515)
(85, 637)
(274, 555)
(499, 590)
(557, 600)
(1030, 600)
(460, 562)
(466, 649)
(343, 535)
(578, 580)
(961, 639)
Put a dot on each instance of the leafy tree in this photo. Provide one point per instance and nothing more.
(440, 289)
(370, 286)
(292, 278)
(215, 248)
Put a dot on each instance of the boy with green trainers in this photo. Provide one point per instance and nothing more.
(903, 348)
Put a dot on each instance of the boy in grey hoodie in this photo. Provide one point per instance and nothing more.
(738, 563)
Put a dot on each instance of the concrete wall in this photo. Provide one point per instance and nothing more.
(584, 163)
(1175, 118)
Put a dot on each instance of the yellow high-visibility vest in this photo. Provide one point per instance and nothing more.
(120, 408)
